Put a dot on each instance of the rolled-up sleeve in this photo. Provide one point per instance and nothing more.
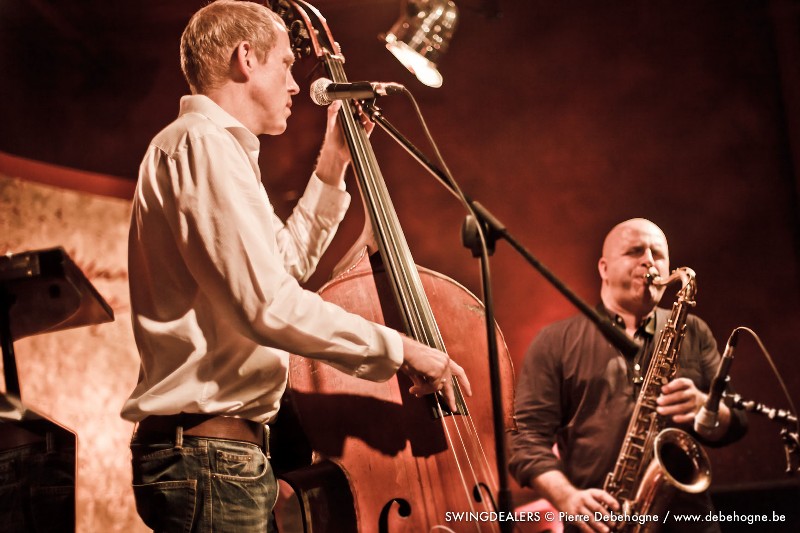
(311, 227)
(538, 413)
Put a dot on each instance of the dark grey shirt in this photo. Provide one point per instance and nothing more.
(578, 391)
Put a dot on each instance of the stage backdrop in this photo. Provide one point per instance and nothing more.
(563, 118)
(80, 377)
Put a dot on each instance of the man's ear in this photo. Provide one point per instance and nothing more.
(242, 62)
(602, 268)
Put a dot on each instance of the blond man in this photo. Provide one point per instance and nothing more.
(214, 279)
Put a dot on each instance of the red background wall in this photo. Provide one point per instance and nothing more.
(563, 118)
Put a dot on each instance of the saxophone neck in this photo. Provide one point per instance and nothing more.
(688, 283)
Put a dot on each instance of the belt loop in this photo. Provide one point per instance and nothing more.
(50, 441)
(178, 437)
(266, 441)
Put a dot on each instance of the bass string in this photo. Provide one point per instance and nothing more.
(465, 419)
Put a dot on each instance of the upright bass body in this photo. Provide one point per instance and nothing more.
(407, 470)
(380, 458)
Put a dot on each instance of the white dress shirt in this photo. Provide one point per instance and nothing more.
(216, 303)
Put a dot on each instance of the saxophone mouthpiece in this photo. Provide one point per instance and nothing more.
(650, 279)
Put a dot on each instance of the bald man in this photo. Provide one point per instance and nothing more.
(577, 391)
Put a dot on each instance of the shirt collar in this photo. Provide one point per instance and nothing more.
(203, 105)
(646, 327)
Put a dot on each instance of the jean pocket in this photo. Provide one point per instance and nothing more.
(167, 505)
(240, 464)
(244, 490)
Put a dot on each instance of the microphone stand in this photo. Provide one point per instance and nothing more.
(480, 232)
(791, 439)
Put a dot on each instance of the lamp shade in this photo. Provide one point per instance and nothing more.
(421, 35)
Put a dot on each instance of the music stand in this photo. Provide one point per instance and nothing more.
(41, 291)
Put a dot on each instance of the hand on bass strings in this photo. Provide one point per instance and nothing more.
(432, 371)
(335, 152)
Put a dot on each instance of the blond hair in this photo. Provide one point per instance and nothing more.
(214, 32)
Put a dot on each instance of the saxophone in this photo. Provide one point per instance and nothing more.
(654, 463)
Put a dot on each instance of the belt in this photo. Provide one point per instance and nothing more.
(210, 426)
(26, 433)
(14, 436)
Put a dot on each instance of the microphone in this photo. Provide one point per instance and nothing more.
(707, 418)
(324, 91)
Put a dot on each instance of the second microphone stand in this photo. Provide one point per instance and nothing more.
(788, 433)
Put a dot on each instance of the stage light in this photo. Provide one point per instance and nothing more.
(421, 35)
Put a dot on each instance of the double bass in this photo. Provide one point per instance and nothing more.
(371, 457)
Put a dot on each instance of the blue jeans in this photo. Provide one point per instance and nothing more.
(37, 488)
(202, 485)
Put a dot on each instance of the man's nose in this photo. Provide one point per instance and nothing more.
(647, 258)
(292, 85)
